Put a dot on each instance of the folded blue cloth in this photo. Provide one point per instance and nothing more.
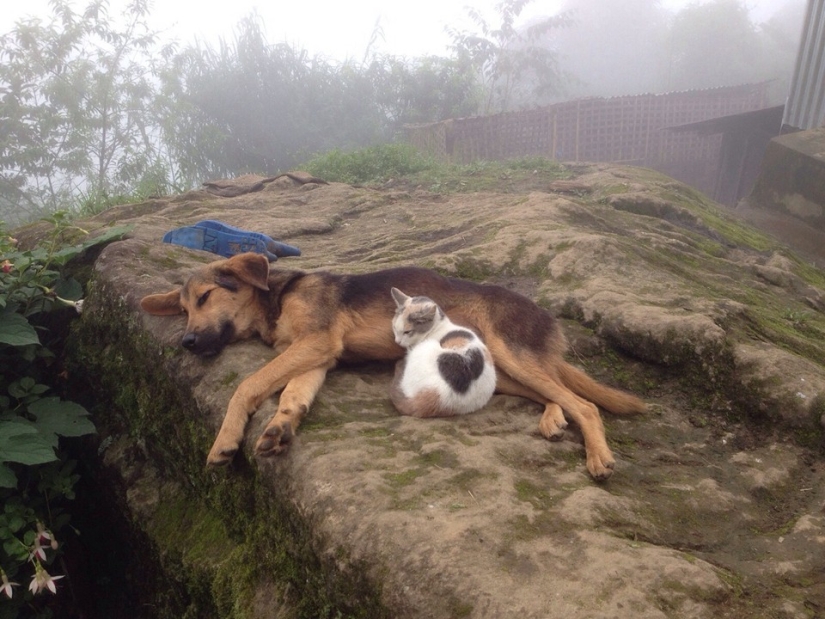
(225, 240)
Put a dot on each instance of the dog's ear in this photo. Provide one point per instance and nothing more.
(250, 268)
(400, 297)
(167, 304)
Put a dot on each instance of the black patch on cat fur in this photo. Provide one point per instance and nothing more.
(462, 333)
(460, 370)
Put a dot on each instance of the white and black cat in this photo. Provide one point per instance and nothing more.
(447, 370)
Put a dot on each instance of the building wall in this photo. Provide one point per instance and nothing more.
(805, 108)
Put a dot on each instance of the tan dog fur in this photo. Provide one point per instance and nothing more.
(315, 320)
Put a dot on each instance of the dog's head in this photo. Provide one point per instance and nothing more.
(220, 301)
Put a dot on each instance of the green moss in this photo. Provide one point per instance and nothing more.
(378, 432)
(465, 480)
(460, 609)
(499, 176)
(529, 492)
(440, 458)
(612, 190)
(405, 478)
(524, 529)
(472, 268)
(200, 535)
(453, 433)
(230, 378)
(813, 436)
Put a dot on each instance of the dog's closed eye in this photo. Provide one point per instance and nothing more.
(203, 298)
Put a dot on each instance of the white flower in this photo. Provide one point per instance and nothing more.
(44, 535)
(42, 580)
(39, 552)
(7, 584)
(77, 305)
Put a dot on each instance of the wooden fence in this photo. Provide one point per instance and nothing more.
(631, 130)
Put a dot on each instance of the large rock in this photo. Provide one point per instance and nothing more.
(716, 506)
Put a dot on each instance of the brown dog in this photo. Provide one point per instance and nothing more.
(315, 320)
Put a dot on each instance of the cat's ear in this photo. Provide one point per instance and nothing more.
(400, 297)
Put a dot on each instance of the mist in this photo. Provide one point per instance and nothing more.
(97, 105)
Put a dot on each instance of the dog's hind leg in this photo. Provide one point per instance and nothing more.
(552, 424)
(293, 404)
(532, 374)
(600, 461)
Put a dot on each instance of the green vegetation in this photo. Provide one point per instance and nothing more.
(499, 176)
(37, 477)
(377, 165)
(372, 165)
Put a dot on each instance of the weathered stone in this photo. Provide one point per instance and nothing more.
(715, 506)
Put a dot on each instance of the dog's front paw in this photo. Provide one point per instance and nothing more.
(552, 424)
(275, 439)
(221, 454)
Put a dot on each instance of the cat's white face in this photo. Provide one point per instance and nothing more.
(414, 319)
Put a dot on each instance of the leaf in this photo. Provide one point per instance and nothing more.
(16, 522)
(20, 442)
(15, 330)
(112, 234)
(63, 255)
(61, 417)
(7, 477)
(69, 289)
(19, 389)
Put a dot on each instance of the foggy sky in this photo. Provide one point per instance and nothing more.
(338, 31)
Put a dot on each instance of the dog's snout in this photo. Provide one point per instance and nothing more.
(207, 342)
(189, 340)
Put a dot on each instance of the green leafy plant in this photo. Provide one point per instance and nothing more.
(36, 478)
(375, 164)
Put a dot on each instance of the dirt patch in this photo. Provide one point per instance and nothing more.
(716, 507)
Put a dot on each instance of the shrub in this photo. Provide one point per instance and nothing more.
(376, 164)
(36, 477)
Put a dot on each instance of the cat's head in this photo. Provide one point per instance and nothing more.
(414, 318)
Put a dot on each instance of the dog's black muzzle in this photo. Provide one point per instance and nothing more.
(208, 343)
(190, 341)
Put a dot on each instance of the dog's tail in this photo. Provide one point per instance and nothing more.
(613, 400)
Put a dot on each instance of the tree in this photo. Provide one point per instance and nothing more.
(421, 90)
(513, 68)
(612, 48)
(714, 44)
(273, 104)
(258, 107)
(74, 95)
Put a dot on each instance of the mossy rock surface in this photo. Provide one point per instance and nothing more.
(715, 508)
